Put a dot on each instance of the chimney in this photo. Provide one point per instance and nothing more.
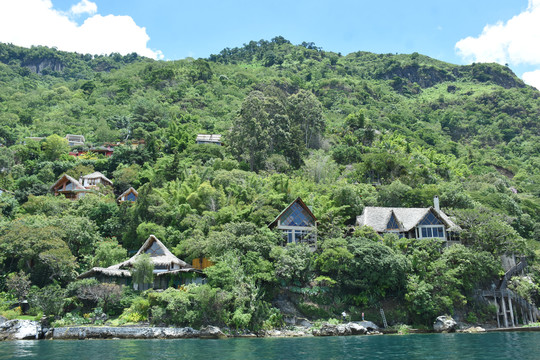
(436, 203)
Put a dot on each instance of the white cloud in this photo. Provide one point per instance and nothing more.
(532, 78)
(84, 7)
(36, 22)
(514, 42)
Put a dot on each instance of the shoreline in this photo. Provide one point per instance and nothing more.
(32, 330)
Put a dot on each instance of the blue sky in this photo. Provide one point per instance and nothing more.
(455, 31)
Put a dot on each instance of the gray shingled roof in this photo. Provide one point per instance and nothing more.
(165, 259)
(96, 175)
(407, 218)
(209, 138)
(76, 184)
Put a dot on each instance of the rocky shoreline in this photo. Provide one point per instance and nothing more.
(33, 330)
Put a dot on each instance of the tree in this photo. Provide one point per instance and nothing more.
(108, 252)
(143, 270)
(306, 111)
(250, 134)
(19, 285)
(104, 294)
(54, 146)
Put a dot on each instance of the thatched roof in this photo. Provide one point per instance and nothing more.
(407, 218)
(105, 271)
(299, 201)
(159, 254)
(76, 184)
(96, 175)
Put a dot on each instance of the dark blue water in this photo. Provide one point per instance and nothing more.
(492, 346)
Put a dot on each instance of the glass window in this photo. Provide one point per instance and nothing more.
(429, 219)
(296, 216)
(392, 223)
(155, 250)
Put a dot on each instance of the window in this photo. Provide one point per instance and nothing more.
(430, 219)
(432, 232)
(155, 250)
(392, 223)
(296, 215)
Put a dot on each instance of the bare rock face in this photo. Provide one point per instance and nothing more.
(369, 325)
(444, 324)
(211, 332)
(473, 330)
(340, 330)
(81, 332)
(20, 330)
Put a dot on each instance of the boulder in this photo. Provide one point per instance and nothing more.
(106, 332)
(211, 332)
(357, 329)
(2, 320)
(444, 324)
(474, 330)
(20, 330)
(370, 326)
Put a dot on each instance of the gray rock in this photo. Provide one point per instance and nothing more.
(20, 330)
(474, 330)
(357, 329)
(81, 332)
(370, 326)
(2, 320)
(211, 332)
(303, 322)
(444, 324)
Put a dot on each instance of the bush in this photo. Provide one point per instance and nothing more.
(137, 312)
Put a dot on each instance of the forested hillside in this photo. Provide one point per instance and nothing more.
(341, 132)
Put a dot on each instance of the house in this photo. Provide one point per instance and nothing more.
(75, 140)
(168, 269)
(208, 139)
(412, 223)
(298, 224)
(75, 189)
(129, 195)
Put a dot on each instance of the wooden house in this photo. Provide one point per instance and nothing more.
(208, 139)
(129, 195)
(76, 189)
(297, 223)
(411, 223)
(169, 271)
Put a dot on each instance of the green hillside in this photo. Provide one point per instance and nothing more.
(341, 132)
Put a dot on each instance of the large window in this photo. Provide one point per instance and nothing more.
(299, 236)
(296, 215)
(432, 232)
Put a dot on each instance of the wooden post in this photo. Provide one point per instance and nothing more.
(505, 315)
(511, 310)
(498, 309)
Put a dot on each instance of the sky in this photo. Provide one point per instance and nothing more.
(456, 31)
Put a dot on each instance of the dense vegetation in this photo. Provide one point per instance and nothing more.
(342, 132)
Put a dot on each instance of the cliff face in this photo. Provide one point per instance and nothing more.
(428, 76)
(38, 65)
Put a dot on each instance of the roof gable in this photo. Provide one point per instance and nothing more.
(159, 254)
(66, 178)
(125, 194)
(296, 214)
(407, 218)
(97, 175)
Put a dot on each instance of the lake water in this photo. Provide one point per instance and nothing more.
(492, 346)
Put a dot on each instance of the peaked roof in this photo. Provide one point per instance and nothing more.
(407, 218)
(125, 193)
(78, 185)
(165, 259)
(297, 200)
(97, 174)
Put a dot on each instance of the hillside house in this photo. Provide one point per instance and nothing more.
(298, 224)
(75, 189)
(169, 271)
(208, 139)
(411, 223)
(75, 140)
(129, 195)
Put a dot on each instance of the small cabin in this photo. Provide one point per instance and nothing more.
(129, 195)
(75, 140)
(208, 139)
(169, 271)
(297, 223)
(75, 189)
